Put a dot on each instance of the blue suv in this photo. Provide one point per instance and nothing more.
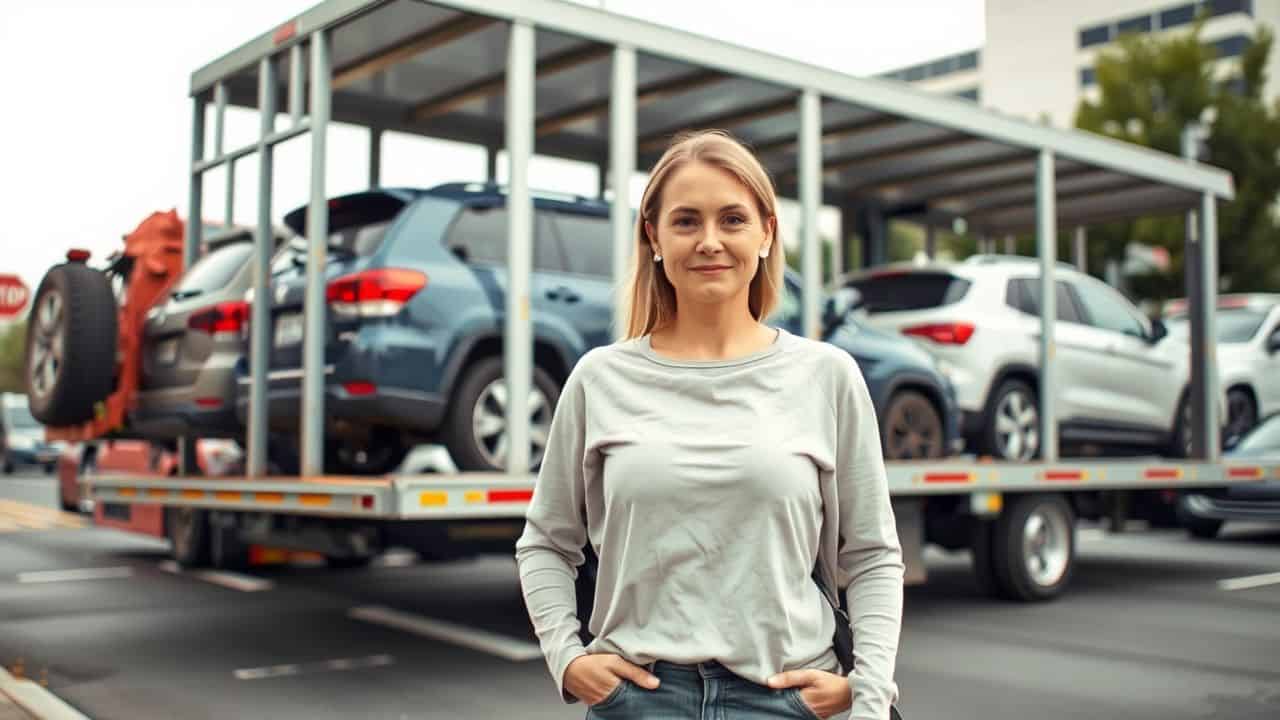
(416, 292)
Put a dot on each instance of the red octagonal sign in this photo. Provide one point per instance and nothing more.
(13, 295)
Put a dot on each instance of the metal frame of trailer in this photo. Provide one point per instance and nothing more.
(611, 90)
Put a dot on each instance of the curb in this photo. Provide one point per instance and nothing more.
(35, 700)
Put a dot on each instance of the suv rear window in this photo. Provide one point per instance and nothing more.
(357, 223)
(896, 292)
(1023, 294)
(214, 270)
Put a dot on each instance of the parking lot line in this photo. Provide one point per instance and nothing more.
(338, 665)
(235, 581)
(102, 573)
(1249, 581)
(471, 638)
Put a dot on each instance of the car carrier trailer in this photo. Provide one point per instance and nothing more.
(610, 91)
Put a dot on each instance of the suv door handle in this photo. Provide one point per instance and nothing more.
(563, 293)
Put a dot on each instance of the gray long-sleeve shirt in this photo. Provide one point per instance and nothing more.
(707, 490)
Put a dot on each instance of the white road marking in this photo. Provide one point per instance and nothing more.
(1250, 581)
(472, 638)
(396, 558)
(275, 671)
(34, 700)
(103, 573)
(235, 581)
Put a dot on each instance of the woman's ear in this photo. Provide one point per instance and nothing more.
(771, 233)
(652, 237)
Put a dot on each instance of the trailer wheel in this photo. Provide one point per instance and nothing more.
(1033, 547)
(476, 430)
(188, 533)
(71, 345)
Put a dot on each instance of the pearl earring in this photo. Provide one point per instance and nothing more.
(764, 254)
(657, 258)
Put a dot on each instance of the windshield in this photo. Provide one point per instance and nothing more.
(1264, 437)
(1235, 325)
(20, 417)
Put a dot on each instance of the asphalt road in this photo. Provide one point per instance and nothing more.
(1145, 632)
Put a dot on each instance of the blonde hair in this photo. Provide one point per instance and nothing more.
(648, 297)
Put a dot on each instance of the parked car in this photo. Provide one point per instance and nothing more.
(1248, 332)
(1122, 381)
(416, 283)
(78, 463)
(22, 442)
(1203, 513)
(193, 341)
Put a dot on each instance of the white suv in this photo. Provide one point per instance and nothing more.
(1122, 381)
(1248, 355)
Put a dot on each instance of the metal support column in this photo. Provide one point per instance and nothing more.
(231, 195)
(260, 320)
(1081, 249)
(622, 164)
(810, 180)
(219, 117)
(1010, 245)
(195, 188)
(313, 375)
(518, 339)
(931, 241)
(1047, 244)
(491, 165)
(375, 158)
(837, 258)
(1207, 422)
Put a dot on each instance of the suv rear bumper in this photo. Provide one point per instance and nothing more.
(1215, 508)
(400, 408)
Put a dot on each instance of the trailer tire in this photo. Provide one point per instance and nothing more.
(474, 404)
(188, 533)
(1033, 547)
(70, 359)
(226, 550)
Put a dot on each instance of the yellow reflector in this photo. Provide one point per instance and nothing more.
(157, 493)
(227, 496)
(128, 492)
(269, 497)
(315, 500)
(192, 494)
(995, 502)
(433, 499)
(476, 496)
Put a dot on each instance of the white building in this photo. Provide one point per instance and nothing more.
(1038, 58)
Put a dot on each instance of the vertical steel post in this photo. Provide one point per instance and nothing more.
(1081, 249)
(375, 158)
(264, 245)
(622, 165)
(1208, 423)
(837, 257)
(931, 241)
(518, 345)
(1047, 244)
(219, 116)
(231, 195)
(295, 84)
(1200, 300)
(1010, 245)
(810, 181)
(313, 375)
(491, 165)
(195, 187)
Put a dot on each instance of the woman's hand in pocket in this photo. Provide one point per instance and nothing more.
(592, 678)
(825, 693)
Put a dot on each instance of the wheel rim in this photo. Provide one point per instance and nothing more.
(912, 430)
(46, 346)
(1017, 426)
(1046, 545)
(489, 424)
(1239, 413)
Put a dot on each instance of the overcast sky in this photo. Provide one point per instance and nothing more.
(95, 122)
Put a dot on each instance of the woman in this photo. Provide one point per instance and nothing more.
(710, 460)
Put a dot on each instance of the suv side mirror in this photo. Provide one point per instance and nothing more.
(1159, 331)
(1273, 342)
(838, 305)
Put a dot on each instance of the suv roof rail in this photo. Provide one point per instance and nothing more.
(488, 188)
(997, 259)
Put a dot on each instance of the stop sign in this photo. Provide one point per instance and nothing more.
(13, 295)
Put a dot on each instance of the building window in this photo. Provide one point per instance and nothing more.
(1087, 77)
(1231, 46)
(939, 67)
(1095, 35)
(967, 61)
(914, 73)
(1134, 25)
(1226, 7)
(970, 94)
(1181, 15)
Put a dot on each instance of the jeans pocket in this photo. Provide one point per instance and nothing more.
(613, 697)
(793, 694)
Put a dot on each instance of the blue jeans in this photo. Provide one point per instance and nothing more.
(706, 691)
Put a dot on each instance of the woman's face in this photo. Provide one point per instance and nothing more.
(709, 233)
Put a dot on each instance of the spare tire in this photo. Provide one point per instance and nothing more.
(71, 345)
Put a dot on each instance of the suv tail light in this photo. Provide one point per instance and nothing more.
(373, 293)
(225, 317)
(942, 333)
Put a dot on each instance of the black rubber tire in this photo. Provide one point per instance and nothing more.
(1180, 436)
(926, 417)
(188, 533)
(458, 434)
(989, 444)
(87, 325)
(1246, 418)
(382, 453)
(1014, 581)
(1198, 527)
(226, 550)
(984, 571)
(348, 562)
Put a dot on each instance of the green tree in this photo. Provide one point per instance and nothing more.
(1150, 89)
(13, 348)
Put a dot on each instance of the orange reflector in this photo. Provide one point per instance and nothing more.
(192, 494)
(259, 555)
(1064, 475)
(433, 499)
(476, 496)
(1162, 474)
(312, 500)
(269, 497)
(1250, 473)
(227, 496)
(157, 493)
(510, 496)
(948, 477)
(127, 492)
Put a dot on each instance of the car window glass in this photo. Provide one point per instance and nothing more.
(1239, 324)
(787, 313)
(215, 270)
(897, 291)
(587, 241)
(482, 232)
(1105, 309)
(1023, 294)
(547, 252)
(1265, 436)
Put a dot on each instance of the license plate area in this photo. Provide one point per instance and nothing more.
(167, 351)
(288, 330)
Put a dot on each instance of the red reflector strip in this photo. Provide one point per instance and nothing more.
(948, 477)
(1251, 473)
(360, 387)
(503, 496)
(1162, 474)
(366, 502)
(209, 402)
(1064, 475)
(285, 32)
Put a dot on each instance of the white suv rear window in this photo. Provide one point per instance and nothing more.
(897, 292)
